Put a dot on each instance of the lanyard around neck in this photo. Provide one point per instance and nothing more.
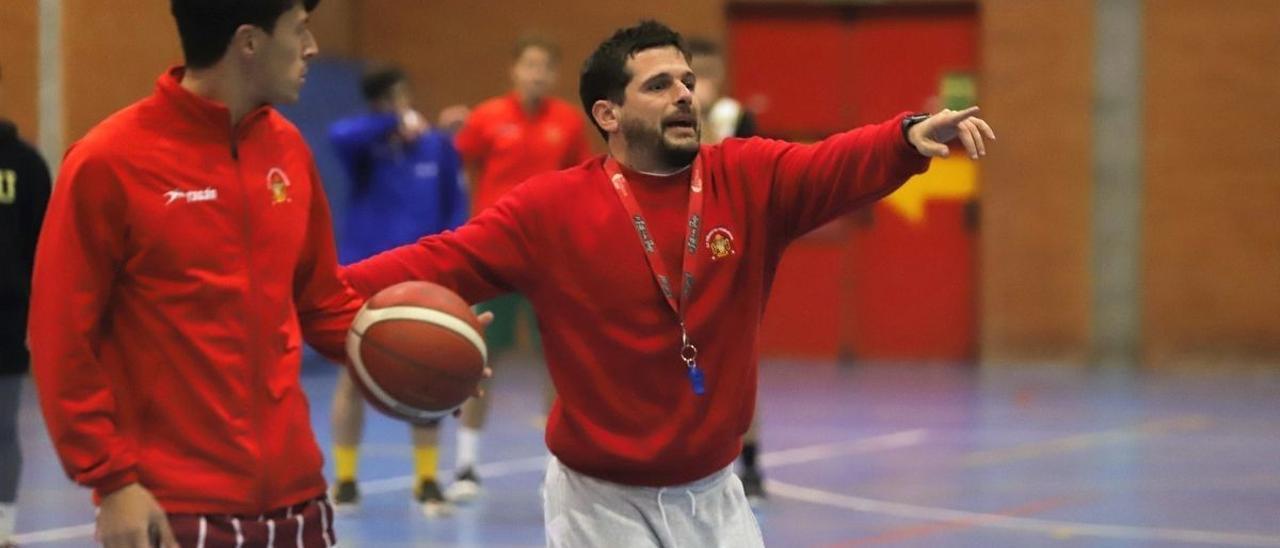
(688, 275)
(692, 228)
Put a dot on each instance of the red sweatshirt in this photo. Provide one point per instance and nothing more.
(508, 145)
(625, 410)
(180, 264)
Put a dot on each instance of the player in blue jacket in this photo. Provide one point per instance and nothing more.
(405, 183)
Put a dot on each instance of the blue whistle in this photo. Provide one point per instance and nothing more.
(695, 378)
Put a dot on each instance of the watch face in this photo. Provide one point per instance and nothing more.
(912, 120)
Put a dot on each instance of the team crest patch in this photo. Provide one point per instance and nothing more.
(278, 183)
(720, 242)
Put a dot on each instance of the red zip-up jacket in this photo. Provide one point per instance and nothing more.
(625, 410)
(181, 263)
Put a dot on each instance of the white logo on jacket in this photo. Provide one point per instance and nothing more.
(426, 170)
(191, 196)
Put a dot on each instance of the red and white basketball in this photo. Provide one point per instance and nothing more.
(416, 351)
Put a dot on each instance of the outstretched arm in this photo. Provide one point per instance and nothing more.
(488, 256)
(812, 184)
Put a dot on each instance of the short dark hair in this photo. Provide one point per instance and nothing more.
(535, 40)
(377, 83)
(205, 27)
(605, 76)
(701, 47)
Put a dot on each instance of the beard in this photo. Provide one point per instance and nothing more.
(654, 143)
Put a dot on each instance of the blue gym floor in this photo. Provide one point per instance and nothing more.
(864, 456)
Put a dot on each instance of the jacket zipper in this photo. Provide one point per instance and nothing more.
(256, 381)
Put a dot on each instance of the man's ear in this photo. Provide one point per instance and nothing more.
(605, 114)
(246, 40)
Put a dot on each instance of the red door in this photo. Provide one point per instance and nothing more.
(895, 282)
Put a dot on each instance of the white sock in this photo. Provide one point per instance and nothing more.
(8, 518)
(468, 446)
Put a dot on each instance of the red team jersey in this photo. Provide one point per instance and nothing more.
(625, 410)
(508, 145)
(179, 270)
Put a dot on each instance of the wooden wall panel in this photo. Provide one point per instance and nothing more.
(19, 57)
(334, 25)
(113, 52)
(1036, 89)
(1211, 223)
(459, 51)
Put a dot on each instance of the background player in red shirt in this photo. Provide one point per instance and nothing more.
(504, 141)
(649, 270)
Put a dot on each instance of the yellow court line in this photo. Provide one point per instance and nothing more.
(1087, 440)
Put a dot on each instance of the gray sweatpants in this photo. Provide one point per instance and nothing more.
(584, 512)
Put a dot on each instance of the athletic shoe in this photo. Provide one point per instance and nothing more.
(432, 500)
(345, 495)
(465, 486)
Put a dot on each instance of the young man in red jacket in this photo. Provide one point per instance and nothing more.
(649, 269)
(188, 252)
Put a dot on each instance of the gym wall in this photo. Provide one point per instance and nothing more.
(1210, 234)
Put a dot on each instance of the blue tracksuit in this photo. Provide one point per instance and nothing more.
(399, 191)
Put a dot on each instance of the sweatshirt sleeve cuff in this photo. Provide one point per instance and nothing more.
(113, 483)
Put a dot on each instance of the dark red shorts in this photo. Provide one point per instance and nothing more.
(305, 525)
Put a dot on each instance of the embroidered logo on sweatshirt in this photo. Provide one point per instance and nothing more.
(720, 242)
(278, 183)
(191, 196)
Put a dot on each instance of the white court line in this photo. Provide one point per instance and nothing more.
(828, 451)
(491, 470)
(786, 457)
(539, 463)
(52, 535)
(1056, 529)
(819, 452)
(387, 485)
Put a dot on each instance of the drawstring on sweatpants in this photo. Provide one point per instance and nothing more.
(663, 510)
(693, 512)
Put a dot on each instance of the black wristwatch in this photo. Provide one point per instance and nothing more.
(908, 121)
